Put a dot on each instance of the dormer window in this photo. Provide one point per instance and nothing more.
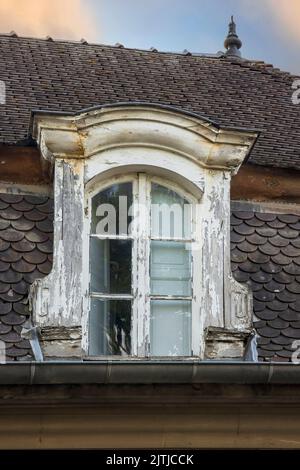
(141, 262)
(142, 299)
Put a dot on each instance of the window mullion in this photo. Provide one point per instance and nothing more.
(143, 232)
(135, 255)
(197, 256)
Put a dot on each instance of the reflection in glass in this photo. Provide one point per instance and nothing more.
(110, 210)
(170, 328)
(110, 327)
(170, 213)
(110, 266)
(170, 268)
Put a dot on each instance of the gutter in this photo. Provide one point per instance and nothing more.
(147, 372)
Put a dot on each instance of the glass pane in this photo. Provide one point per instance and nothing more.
(110, 266)
(110, 210)
(110, 327)
(170, 328)
(170, 213)
(170, 268)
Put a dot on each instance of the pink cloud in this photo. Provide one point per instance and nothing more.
(65, 19)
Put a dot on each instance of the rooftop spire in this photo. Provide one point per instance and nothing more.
(232, 43)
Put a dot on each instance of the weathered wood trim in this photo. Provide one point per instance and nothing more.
(23, 165)
(88, 149)
(266, 206)
(56, 300)
(26, 189)
(259, 183)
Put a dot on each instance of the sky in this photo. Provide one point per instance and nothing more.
(269, 29)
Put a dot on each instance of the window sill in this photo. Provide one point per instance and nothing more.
(147, 359)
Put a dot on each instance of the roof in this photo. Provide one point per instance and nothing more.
(66, 76)
(26, 231)
(265, 254)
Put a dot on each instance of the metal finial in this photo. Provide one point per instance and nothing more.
(232, 43)
(232, 26)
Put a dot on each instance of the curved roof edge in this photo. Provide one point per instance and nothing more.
(174, 109)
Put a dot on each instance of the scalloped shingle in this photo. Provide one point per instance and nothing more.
(265, 257)
(24, 253)
(268, 259)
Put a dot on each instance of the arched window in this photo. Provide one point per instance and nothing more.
(141, 263)
(141, 272)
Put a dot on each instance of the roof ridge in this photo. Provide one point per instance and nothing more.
(114, 46)
(152, 50)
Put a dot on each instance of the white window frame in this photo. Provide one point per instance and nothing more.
(141, 239)
(106, 141)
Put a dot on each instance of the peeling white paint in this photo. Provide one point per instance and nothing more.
(91, 148)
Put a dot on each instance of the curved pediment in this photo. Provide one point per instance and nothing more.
(141, 125)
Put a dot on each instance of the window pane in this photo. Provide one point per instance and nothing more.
(170, 213)
(110, 210)
(170, 328)
(110, 262)
(170, 268)
(110, 327)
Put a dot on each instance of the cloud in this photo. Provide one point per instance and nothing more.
(282, 16)
(275, 31)
(287, 17)
(64, 19)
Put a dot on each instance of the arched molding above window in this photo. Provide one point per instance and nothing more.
(143, 126)
(92, 146)
(113, 163)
